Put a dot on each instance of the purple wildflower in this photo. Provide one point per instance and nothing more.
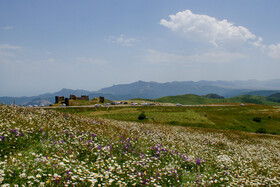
(14, 131)
(198, 161)
(68, 172)
(2, 138)
(197, 180)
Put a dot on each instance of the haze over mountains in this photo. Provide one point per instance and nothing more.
(153, 90)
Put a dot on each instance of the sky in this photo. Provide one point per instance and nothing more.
(91, 44)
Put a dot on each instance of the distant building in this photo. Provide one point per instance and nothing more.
(66, 101)
(83, 97)
(59, 99)
(101, 99)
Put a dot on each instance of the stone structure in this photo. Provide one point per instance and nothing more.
(66, 101)
(83, 97)
(73, 97)
(101, 99)
(59, 99)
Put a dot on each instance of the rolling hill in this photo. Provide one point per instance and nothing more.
(190, 99)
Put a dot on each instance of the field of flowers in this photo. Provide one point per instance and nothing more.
(49, 148)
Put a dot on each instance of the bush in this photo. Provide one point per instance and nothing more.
(257, 119)
(261, 130)
(142, 116)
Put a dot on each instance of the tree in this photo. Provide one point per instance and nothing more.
(142, 116)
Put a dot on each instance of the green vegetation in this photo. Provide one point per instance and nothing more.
(213, 96)
(257, 119)
(50, 148)
(190, 99)
(216, 117)
(142, 116)
(261, 130)
(275, 95)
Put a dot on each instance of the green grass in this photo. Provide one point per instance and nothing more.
(255, 99)
(190, 99)
(216, 117)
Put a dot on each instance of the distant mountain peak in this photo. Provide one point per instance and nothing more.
(65, 89)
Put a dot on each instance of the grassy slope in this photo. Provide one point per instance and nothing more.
(190, 99)
(227, 118)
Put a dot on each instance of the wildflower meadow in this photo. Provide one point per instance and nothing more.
(49, 148)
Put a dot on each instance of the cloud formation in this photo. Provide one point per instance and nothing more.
(207, 29)
(7, 28)
(123, 40)
(6, 51)
(274, 51)
(219, 33)
(8, 46)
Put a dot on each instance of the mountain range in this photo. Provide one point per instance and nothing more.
(153, 90)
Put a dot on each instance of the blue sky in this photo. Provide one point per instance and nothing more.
(49, 45)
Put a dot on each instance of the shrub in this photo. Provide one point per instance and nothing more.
(142, 116)
(261, 130)
(257, 119)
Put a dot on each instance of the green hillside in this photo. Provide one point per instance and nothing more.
(190, 99)
(254, 99)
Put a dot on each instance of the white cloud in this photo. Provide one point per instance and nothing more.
(122, 40)
(274, 51)
(207, 29)
(8, 46)
(6, 54)
(7, 28)
(8, 51)
(51, 60)
(86, 60)
(220, 33)
(154, 56)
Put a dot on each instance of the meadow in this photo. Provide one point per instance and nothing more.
(239, 118)
(53, 148)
